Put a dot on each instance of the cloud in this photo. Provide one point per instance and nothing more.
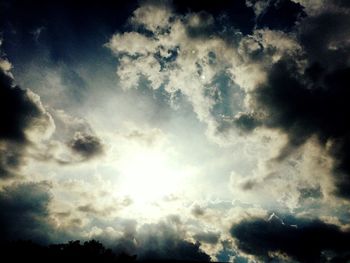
(285, 184)
(162, 240)
(305, 95)
(165, 241)
(188, 58)
(236, 83)
(303, 108)
(88, 209)
(305, 240)
(207, 237)
(247, 85)
(315, 7)
(195, 57)
(25, 212)
(27, 130)
(132, 43)
(148, 137)
(23, 119)
(234, 14)
(20, 110)
(86, 145)
(277, 14)
(197, 211)
(161, 14)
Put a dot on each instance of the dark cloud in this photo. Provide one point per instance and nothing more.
(342, 3)
(302, 108)
(163, 241)
(86, 145)
(324, 38)
(246, 122)
(160, 241)
(239, 15)
(312, 103)
(207, 237)
(88, 209)
(11, 159)
(234, 13)
(280, 15)
(176, 250)
(91, 209)
(25, 212)
(18, 113)
(17, 110)
(198, 211)
(304, 240)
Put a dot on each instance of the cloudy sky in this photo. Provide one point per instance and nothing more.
(178, 129)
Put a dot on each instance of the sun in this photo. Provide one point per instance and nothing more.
(148, 175)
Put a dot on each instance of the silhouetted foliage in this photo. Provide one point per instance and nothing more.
(73, 251)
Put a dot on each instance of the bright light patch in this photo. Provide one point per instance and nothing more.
(148, 175)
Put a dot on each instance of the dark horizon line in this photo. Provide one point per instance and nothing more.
(80, 251)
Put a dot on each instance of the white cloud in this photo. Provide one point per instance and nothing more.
(42, 127)
(281, 184)
(154, 17)
(192, 69)
(189, 64)
(132, 43)
(5, 65)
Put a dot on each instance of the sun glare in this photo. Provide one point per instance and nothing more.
(148, 175)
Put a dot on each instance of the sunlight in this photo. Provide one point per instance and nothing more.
(148, 175)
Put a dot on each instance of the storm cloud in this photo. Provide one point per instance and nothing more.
(311, 100)
(165, 240)
(208, 237)
(18, 110)
(22, 117)
(305, 240)
(25, 212)
(278, 14)
(86, 145)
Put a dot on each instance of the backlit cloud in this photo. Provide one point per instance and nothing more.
(178, 130)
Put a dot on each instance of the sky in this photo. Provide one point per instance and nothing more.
(190, 130)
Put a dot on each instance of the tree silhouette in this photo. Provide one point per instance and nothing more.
(73, 251)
